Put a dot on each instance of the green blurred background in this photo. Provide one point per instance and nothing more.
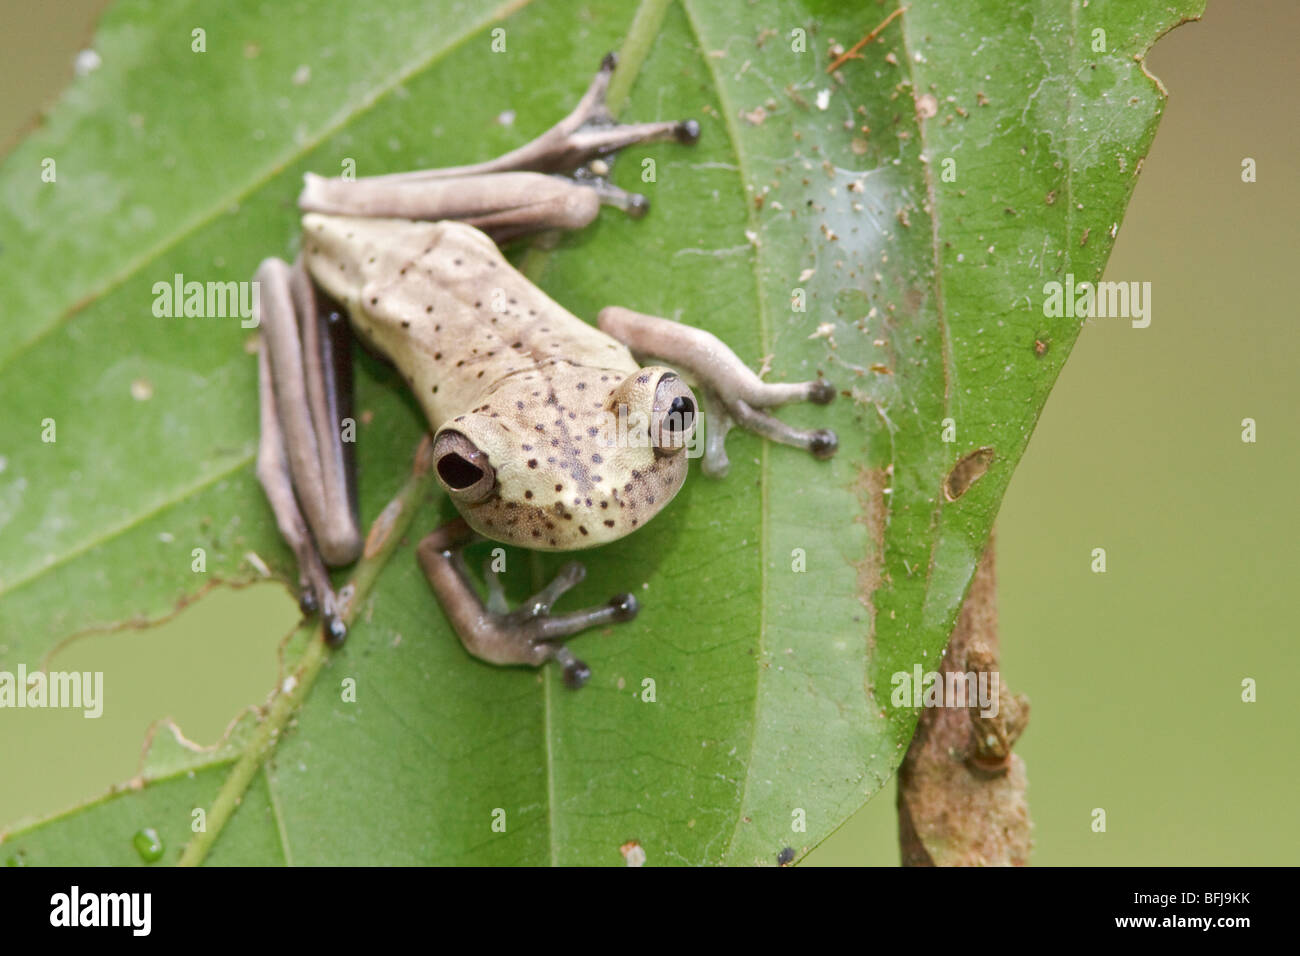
(1134, 675)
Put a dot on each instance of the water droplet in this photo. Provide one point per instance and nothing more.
(87, 61)
(148, 844)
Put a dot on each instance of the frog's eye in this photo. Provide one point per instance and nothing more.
(673, 416)
(462, 469)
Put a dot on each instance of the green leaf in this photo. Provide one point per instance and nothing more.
(919, 198)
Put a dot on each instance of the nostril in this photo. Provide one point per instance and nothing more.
(457, 473)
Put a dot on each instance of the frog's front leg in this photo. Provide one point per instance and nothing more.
(529, 635)
(515, 193)
(732, 393)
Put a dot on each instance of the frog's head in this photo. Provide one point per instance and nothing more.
(565, 457)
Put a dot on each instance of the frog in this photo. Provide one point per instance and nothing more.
(548, 432)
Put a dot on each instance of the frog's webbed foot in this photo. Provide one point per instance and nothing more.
(557, 181)
(578, 144)
(588, 133)
(732, 394)
(590, 130)
(722, 414)
(530, 634)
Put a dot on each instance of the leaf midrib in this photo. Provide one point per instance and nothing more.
(729, 114)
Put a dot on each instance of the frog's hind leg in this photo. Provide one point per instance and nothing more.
(305, 467)
(530, 634)
(733, 394)
(516, 193)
